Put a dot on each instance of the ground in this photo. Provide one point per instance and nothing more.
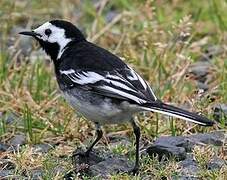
(179, 47)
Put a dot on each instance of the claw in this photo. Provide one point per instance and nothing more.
(69, 176)
(81, 154)
(134, 171)
(83, 157)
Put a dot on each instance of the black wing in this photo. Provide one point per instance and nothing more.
(111, 84)
(94, 68)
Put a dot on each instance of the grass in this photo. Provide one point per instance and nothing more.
(160, 39)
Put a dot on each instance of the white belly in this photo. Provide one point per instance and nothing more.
(98, 109)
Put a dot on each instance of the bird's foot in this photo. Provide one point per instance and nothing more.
(83, 157)
(81, 154)
(69, 176)
(134, 171)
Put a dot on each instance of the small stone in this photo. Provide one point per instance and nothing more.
(215, 138)
(37, 174)
(189, 169)
(110, 166)
(200, 70)
(202, 86)
(111, 15)
(94, 157)
(211, 52)
(6, 174)
(216, 163)
(43, 148)
(11, 118)
(188, 142)
(59, 170)
(167, 150)
(187, 177)
(178, 141)
(3, 147)
(17, 140)
(189, 161)
(100, 163)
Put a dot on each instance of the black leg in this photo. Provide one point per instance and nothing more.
(83, 157)
(137, 135)
(99, 134)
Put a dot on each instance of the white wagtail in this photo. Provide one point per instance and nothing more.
(98, 84)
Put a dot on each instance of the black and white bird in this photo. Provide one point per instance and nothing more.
(98, 84)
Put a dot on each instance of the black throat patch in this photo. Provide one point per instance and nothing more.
(52, 49)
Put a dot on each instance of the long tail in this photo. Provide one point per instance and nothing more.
(163, 108)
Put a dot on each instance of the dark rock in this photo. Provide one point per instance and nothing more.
(6, 174)
(202, 86)
(216, 163)
(11, 118)
(94, 157)
(214, 50)
(187, 177)
(189, 161)
(220, 113)
(188, 142)
(216, 138)
(189, 168)
(111, 15)
(167, 150)
(36, 174)
(43, 148)
(109, 166)
(59, 170)
(100, 163)
(178, 141)
(3, 147)
(210, 52)
(17, 140)
(200, 70)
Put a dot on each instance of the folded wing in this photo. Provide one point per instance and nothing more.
(123, 84)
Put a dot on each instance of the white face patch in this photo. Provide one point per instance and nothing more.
(57, 35)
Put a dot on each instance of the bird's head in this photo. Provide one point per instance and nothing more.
(54, 36)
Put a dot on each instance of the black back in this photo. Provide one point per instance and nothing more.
(87, 56)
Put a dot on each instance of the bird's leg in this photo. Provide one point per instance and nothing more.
(99, 135)
(136, 130)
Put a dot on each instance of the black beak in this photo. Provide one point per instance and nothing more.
(30, 33)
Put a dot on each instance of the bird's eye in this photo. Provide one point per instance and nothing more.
(48, 32)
